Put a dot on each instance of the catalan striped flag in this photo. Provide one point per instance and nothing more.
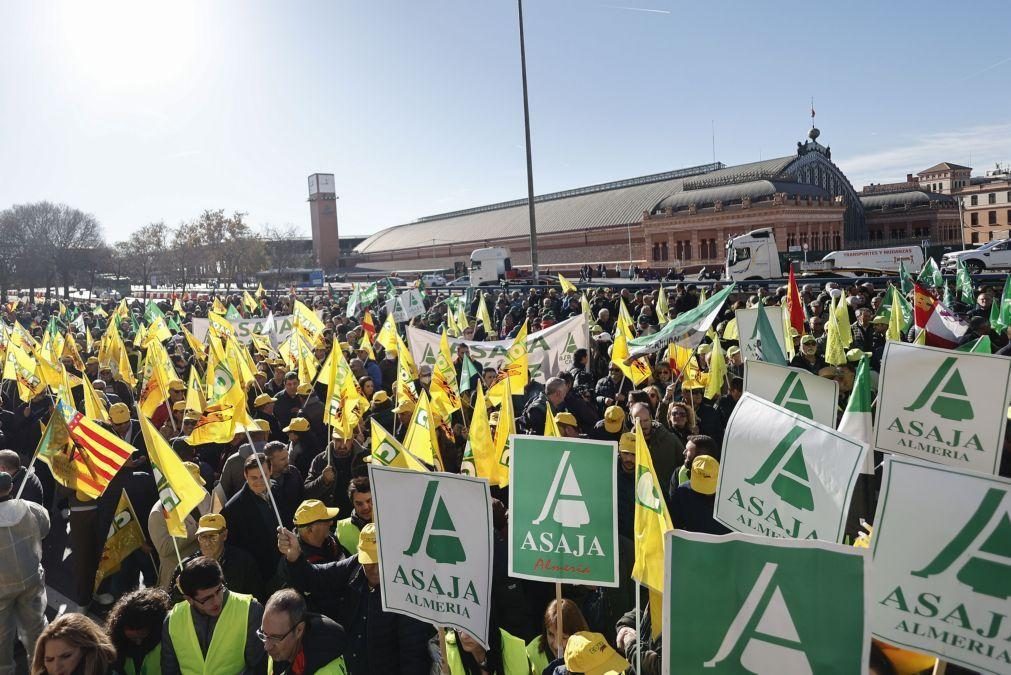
(82, 455)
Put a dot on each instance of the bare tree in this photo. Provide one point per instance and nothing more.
(145, 250)
(232, 249)
(186, 254)
(285, 248)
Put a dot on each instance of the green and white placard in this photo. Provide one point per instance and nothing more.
(741, 604)
(782, 475)
(435, 547)
(810, 396)
(942, 564)
(563, 515)
(943, 406)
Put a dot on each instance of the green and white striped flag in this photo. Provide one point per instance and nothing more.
(963, 282)
(905, 280)
(931, 274)
(857, 421)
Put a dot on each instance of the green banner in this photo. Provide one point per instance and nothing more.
(563, 519)
(740, 604)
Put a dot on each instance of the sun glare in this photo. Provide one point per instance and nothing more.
(119, 44)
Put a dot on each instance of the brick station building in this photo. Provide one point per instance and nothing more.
(679, 218)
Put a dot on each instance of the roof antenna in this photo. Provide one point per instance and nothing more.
(712, 125)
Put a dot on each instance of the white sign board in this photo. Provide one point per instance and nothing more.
(797, 390)
(942, 406)
(245, 327)
(406, 306)
(942, 564)
(782, 475)
(435, 547)
(747, 324)
(549, 351)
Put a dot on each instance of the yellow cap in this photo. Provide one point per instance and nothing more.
(407, 405)
(614, 418)
(92, 361)
(380, 397)
(179, 406)
(192, 415)
(312, 511)
(705, 471)
(195, 472)
(211, 522)
(304, 389)
(627, 442)
(176, 385)
(854, 355)
(345, 347)
(567, 419)
(297, 424)
(262, 400)
(733, 350)
(367, 550)
(119, 413)
(704, 348)
(589, 653)
(263, 426)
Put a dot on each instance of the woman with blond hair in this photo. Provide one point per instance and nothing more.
(73, 644)
(546, 647)
(681, 421)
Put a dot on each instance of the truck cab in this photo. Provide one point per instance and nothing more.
(489, 265)
(753, 256)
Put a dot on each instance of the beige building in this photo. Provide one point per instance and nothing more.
(986, 209)
(945, 178)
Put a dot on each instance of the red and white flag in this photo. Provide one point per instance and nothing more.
(939, 324)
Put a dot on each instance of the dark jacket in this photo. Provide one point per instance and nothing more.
(252, 527)
(33, 486)
(666, 451)
(288, 488)
(652, 650)
(693, 511)
(388, 642)
(239, 569)
(323, 641)
(335, 493)
(286, 407)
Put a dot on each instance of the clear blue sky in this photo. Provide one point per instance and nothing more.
(139, 112)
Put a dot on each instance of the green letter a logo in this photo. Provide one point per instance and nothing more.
(793, 396)
(987, 568)
(946, 394)
(435, 531)
(763, 636)
(791, 481)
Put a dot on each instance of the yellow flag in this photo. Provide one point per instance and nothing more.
(444, 388)
(126, 370)
(388, 451)
(584, 306)
(662, 310)
(178, 492)
(248, 302)
(567, 286)
(94, 407)
(219, 326)
(895, 318)
(730, 331)
(156, 379)
(484, 316)
(835, 351)
(195, 399)
(550, 426)
(407, 373)
(451, 325)
(421, 440)
(843, 317)
(784, 312)
(89, 343)
(651, 523)
(387, 335)
(479, 457)
(717, 370)
(195, 345)
(638, 370)
(366, 345)
(342, 407)
(503, 444)
(22, 368)
(226, 406)
(217, 307)
(307, 322)
(177, 307)
(515, 369)
(125, 536)
(259, 290)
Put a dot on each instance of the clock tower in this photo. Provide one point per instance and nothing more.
(323, 213)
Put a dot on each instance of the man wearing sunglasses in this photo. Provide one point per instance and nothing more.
(213, 630)
(298, 641)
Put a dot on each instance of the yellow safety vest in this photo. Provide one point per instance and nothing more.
(335, 667)
(149, 665)
(347, 535)
(226, 653)
(514, 655)
(538, 659)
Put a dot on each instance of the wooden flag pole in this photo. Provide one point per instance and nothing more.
(638, 628)
(559, 651)
(940, 667)
(444, 666)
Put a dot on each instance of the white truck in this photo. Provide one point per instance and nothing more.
(755, 255)
(490, 265)
(994, 255)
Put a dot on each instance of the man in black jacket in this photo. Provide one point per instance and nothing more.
(251, 518)
(331, 471)
(298, 641)
(239, 569)
(378, 642)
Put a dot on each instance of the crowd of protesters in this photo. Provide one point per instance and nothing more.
(239, 595)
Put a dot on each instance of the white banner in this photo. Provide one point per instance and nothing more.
(747, 326)
(797, 390)
(782, 475)
(435, 547)
(549, 351)
(943, 406)
(246, 327)
(942, 564)
(406, 306)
